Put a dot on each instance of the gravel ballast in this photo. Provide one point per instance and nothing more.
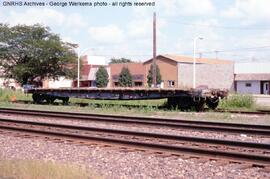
(114, 163)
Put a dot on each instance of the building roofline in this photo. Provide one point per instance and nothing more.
(188, 59)
(157, 57)
(252, 77)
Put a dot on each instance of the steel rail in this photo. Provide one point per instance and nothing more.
(259, 112)
(261, 159)
(143, 134)
(194, 125)
(140, 118)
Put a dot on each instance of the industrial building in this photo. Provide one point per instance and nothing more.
(136, 70)
(177, 72)
(252, 78)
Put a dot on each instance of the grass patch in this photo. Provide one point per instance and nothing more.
(7, 95)
(156, 102)
(29, 169)
(238, 101)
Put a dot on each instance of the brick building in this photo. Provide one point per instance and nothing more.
(168, 71)
(177, 72)
(137, 71)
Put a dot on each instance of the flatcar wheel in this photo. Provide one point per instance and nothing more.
(37, 98)
(199, 106)
(182, 103)
(212, 104)
(65, 100)
(50, 99)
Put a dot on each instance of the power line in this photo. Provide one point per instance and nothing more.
(240, 49)
(258, 48)
(232, 50)
(216, 26)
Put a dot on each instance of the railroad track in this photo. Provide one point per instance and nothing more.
(256, 153)
(84, 104)
(160, 122)
(258, 112)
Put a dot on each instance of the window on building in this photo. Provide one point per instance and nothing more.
(171, 83)
(138, 83)
(116, 84)
(248, 84)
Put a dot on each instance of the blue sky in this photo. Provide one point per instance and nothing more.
(127, 31)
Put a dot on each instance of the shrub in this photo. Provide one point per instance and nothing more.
(150, 76)
(238, 101)
(7, 95)
(125, 78)
(102, 77)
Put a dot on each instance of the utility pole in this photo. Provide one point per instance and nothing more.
(78, 75)
(154, 70)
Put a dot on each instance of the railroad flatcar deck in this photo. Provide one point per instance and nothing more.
(183, 98)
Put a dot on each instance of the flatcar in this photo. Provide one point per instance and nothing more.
(181, 98)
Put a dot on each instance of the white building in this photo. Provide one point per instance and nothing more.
(252, 78)
(90, 65)
(62, 82)
(95, 59)
(8, 83)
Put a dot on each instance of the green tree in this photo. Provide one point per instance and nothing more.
(125, 78)
(120, 60)
(102, 77)
(150, 76)
(31, 53)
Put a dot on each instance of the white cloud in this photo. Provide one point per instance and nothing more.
(249, 9)
(212, 40)
(69, 39)
(176, 7)
(109, 34)
(232, 12)
(186, 7)
(140, 28)
(33, 16)
(75, 20)
(143, 27)
(2, 16)
(253, 40)
(45, 16)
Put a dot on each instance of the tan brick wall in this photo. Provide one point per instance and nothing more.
(134, 69)
(213, 76)
(168, 70)
(45, 83)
